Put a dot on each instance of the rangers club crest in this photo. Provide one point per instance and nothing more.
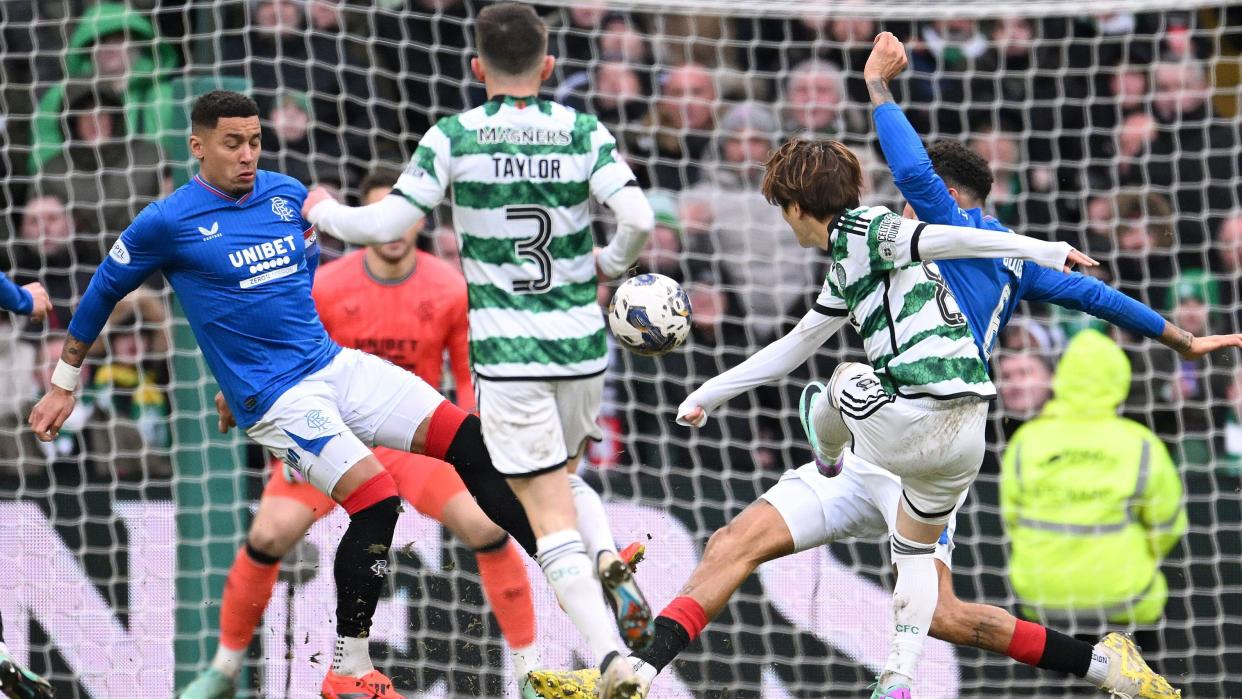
(281, 208)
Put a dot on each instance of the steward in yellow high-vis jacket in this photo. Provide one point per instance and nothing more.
(1092, 502)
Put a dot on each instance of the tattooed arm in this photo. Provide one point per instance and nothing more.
(1191, 347)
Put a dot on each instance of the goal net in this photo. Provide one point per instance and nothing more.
(1115, 130)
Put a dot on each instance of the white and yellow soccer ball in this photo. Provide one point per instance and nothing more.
(650, 315)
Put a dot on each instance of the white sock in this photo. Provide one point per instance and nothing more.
(525, 660)
(645, 671)
(1097, 672)
(572, 577)
(228, 661)
(592, 520)
(352, 657)
(914, 604)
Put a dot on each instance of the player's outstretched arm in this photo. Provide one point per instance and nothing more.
(939, 242)
(1090, 295)
(382, 222)
(1191, 347)
(765, 366)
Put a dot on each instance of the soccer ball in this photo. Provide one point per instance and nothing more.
(650, 315)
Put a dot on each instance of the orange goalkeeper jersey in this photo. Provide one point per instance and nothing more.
(410, 322)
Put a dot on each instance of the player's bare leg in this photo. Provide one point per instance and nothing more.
(757, 535)
(562, 555)
(628, 603)
(277, 527)
(1115, 664)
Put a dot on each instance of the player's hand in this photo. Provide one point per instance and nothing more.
(1076, 258)
(1201, 346)
(887, 59)
(691, 416)
(50, 413)
(42, 302)
(315, 196)
(226, 415)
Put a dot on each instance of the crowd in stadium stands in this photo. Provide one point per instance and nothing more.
(1102, 131)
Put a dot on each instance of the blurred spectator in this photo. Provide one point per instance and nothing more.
(816, 105)
(749, 240)
(1197, 388)
(1229, 263)
(1021, 190)
(127, 413)
(1143, 240)
(613, 91)
(429, 49)
(1025, 385)
(105, 176)
(49, 251)
(943, 65)
(1232, 451)
(113, 50)
(1091, 503)
(666, 150)
(292, 148)
(777, 45)
(1194, 154)
(573, 35)
(662, 253)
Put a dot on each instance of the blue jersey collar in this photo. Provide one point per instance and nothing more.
(223, 194)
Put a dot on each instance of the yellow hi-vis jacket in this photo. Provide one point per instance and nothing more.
(1092, 502)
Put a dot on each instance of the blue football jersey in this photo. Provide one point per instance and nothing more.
(242, 269)
(987, 290)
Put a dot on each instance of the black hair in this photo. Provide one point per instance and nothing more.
(221, 104)
(961, 168)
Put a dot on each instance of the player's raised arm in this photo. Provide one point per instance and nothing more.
(771, 363)
(134, 257)
(419, 190)
(612, 183)
(912, 169)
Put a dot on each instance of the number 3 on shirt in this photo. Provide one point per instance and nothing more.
(534, 248)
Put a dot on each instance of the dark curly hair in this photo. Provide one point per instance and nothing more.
(961, 168)
(221, 104)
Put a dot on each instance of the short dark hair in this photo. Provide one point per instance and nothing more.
(822, 177)
(511, 38)
(221, 104)
(961, 168)
(383, 177)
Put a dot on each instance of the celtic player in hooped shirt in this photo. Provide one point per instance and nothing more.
(238, 254)
(522, 171)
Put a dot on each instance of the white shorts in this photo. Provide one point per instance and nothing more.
(859, 503)
(935, 446)
(328, 421)
(531, 427)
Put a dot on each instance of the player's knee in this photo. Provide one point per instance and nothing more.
(470, 525)
(727, 543)
(270, 543)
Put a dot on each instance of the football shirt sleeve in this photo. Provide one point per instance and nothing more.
(14, 298)
(425, 181)
(141, 250)
(609, 172)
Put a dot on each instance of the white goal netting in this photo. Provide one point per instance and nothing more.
(1115, 130)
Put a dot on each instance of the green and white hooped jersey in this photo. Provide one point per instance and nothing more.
(915, 336)
(521, 173)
